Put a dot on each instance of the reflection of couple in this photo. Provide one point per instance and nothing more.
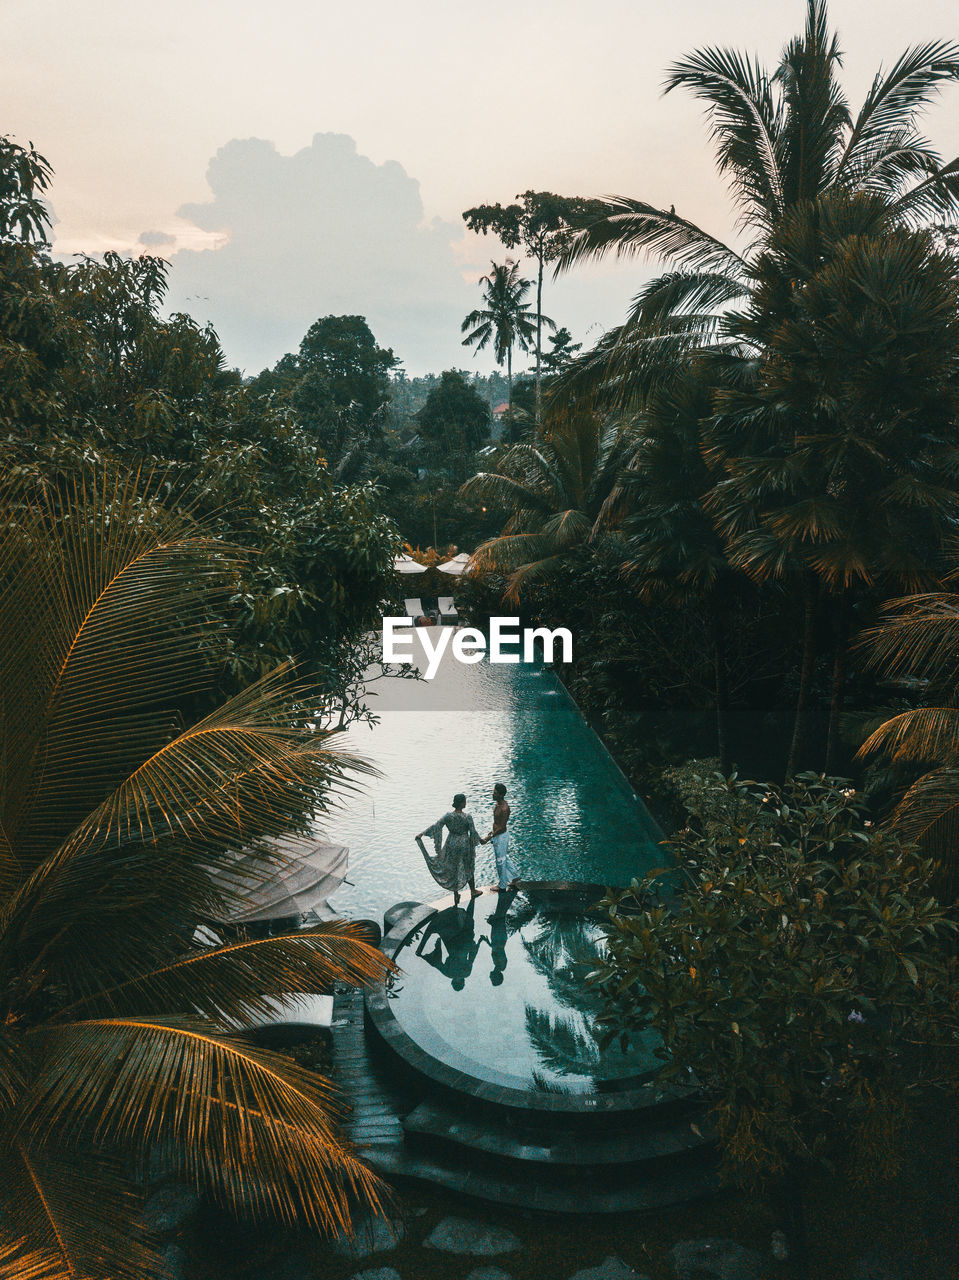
(453, 865)
(455, 945)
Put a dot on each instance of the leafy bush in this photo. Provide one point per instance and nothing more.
(787, 975)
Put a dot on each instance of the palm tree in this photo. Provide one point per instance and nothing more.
(918, 637)
(508, 320)
(557, 492)
(793, 152)
(118, 1032)
(836, 437)
(675, 551)
(782, 137)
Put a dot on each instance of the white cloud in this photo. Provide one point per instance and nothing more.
(322, 232)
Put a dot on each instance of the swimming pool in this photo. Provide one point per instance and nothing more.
(492, 998)
(574, 817)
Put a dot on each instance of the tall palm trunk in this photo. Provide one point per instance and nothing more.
(539, 343)
(840, 661)
(801, 724)
(509, 383)
(718, 634)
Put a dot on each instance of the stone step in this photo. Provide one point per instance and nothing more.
(653, 1187)
(655, 1138)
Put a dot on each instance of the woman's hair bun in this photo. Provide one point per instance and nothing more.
(459, 800)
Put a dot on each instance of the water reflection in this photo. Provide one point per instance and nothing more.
(455, 945)
(526, 1015)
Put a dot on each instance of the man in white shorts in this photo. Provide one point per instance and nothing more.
(499, 837)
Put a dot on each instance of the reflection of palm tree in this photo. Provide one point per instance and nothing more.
(563, 950)
(564, 1043)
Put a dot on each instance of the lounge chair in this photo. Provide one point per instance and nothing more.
(447, 609)
(414, 609)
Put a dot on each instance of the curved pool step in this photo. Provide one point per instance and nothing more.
(653, 1138)
(655, 1188)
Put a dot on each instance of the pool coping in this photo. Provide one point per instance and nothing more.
(646, 1093)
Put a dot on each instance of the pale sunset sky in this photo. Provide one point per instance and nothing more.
(302, 157)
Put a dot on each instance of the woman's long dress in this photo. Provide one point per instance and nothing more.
(453, 863)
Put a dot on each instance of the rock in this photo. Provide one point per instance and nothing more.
(170, 1208)
(715, 1259)
(461, 1235)
(609, 1269)
(372, 1235)
(489, 1273)
(172, 1263)
(378, 1273)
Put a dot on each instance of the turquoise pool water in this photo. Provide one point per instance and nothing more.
(574, 815)
(497, 990)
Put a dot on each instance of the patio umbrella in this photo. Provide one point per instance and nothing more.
(403, 564)
(302, 882)
(455, 566)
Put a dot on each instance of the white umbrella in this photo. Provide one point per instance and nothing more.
(310, 871)
(403, 564)
(455, 566)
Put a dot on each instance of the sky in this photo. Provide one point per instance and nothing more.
(304, 158)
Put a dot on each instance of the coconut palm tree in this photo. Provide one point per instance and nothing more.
(836, 439)
(918, 638)
(119, 1028)
(557, 492)
(782, 137)
(508, 320)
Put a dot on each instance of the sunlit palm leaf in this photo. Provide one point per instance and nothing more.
(250, 1124)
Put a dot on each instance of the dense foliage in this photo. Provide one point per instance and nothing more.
(94, 372)
(797, 956)
(122, 1030)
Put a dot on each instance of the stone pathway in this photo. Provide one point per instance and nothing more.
(371, 1235)
(715, 1258)
(609, 1269)
(479, 1239)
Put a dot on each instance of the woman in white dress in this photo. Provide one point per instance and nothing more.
(453, 865)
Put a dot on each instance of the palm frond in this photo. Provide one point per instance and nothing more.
(925, 735)
(744, 122)
(230, 983)
(896, 99)
(631, 227)
(248, 1124)
(77, 1210)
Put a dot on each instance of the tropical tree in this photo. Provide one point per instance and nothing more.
(918, 638)
(810, 180)
(675, 552)
(790, 976)
(541, 225)
(782, 137)
(506, 321)
(556, 491)
(455, 420)
(24, 176)
(121, 1030)
(837, 437)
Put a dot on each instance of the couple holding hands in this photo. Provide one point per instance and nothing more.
(453, 865)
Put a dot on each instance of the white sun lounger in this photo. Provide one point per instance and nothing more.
(414, 609)
(447, 609)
